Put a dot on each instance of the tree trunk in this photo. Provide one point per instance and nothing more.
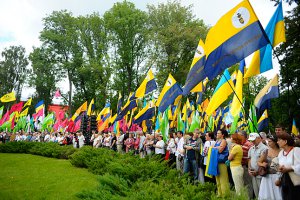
(70, 93)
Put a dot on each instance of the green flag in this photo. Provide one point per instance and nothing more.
(180, 123)
(164, 126)
(195, 122)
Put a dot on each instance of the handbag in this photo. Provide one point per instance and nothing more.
(223, 156)
(262, 171)
(295, 178)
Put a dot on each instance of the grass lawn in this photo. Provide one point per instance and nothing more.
(25, 176)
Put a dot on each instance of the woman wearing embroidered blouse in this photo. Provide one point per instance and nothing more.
(209, 142)
(129, 142)
(235, 157)
(222, 178)
(171, 148)
(268, 190)
(289, 166)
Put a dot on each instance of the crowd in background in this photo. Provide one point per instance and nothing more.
(267, 165)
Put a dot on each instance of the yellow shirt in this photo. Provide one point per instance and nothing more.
(237, 151)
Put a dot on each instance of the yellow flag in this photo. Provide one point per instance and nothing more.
(28, 103)
(8, 97)
(24, 113)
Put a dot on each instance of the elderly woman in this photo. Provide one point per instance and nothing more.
(289, 166)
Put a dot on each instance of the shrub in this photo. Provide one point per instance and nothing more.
(52, 150)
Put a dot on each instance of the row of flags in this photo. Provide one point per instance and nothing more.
(244, 35)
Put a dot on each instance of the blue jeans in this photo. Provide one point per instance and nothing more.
(188, 164)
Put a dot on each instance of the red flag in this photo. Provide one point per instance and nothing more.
(70, 126)
(57, 94)
(16, 107)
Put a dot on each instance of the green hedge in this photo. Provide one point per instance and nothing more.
(52, 150)
(123, 176)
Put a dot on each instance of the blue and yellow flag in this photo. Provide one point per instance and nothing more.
(294, 128)
(104, 111)
(263, 121)
(8, 97)
(194, 77)
(148, 85)
(238, 96)
(235, 36)
(120, 102)
(82, 108)
(40, 105)
(146, 113)
(221, 93)
(262, 59)
(270, 91)
(169, 94)
(91, 108)
(128, 106)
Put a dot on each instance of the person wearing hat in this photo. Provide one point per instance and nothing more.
(254, 154)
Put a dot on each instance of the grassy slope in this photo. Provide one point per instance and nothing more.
(24, 176)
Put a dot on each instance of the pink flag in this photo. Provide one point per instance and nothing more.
(4, 118)
(57, 94)
(56, 126)
(40, 113)
(77, 126)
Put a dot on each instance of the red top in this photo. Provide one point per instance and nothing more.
(246, 146)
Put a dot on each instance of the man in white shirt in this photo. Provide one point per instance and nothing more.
(179, 151)
(254, 154)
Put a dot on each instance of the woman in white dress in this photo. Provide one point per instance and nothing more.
(268, 190)
(289, 166)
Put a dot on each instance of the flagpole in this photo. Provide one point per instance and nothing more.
(240, 103)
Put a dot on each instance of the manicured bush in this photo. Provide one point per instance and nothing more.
(16, 147)
(50, 149)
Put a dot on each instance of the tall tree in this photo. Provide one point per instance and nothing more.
(44, 74)
(175, 33)
(59, 36)
(289, 103)
(13, 70)
(127, 28)
(92, 77)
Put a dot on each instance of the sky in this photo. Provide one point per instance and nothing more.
(21, 20)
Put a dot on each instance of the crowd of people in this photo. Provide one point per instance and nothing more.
(267, 165)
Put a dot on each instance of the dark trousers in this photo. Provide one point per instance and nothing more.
(289, 191)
